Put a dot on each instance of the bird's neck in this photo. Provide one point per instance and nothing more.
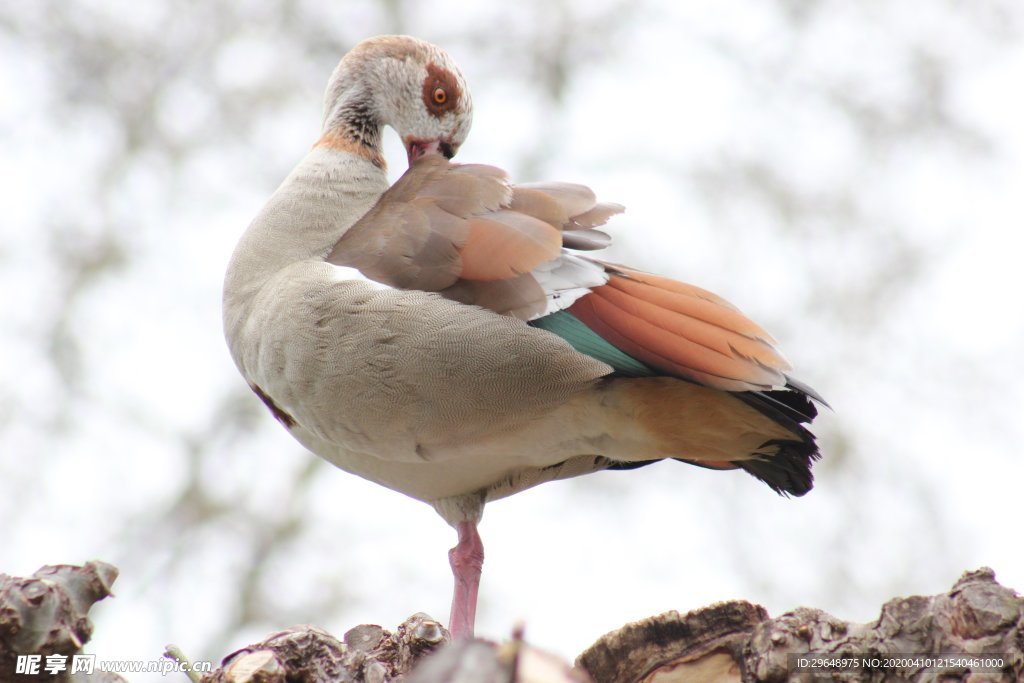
(355, 127)
(346, 143)
(329, 190)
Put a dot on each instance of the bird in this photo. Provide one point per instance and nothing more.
(454, 337)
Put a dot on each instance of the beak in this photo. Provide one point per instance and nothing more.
(417, 149)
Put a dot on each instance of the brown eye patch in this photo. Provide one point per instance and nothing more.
(440, 90)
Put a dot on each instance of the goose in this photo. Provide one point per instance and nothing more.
(454, 336)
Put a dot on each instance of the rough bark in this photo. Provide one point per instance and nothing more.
(307, 653)
(736, 642)
(419, 651)
(731, 642)
(47, 614)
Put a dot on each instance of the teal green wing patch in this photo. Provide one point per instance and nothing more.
(585, 340)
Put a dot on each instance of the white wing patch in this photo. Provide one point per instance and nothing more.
(566, 279)
(343, 273)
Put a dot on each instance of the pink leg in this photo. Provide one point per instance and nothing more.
(467, 559)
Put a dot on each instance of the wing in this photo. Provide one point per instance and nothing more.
(464, 231)
(682, 330)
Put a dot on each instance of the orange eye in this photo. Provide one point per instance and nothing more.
(440, 96)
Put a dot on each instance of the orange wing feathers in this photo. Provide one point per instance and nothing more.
(504, 244)
(682, 330)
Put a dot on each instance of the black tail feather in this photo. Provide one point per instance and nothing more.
(788, 470)
(786, 463)
(783, 464)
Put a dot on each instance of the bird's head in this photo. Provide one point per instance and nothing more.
(402, 82)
